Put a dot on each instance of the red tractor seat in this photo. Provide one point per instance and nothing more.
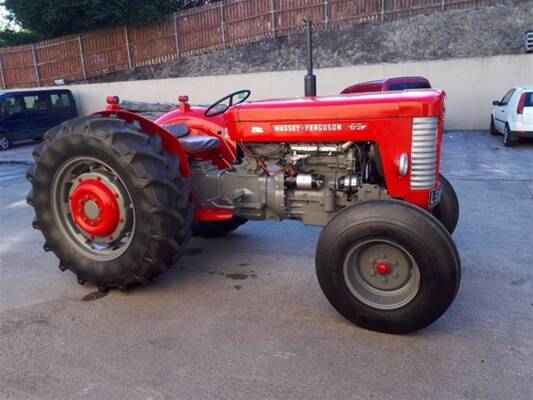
(193, 144)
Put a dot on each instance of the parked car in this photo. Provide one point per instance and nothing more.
(399, 83)
(29, 114)
(513, 115)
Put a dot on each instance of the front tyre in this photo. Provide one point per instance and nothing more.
(110, 202)
(387, 266)
(447, 211)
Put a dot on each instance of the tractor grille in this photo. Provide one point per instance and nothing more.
(424, 153)
(528, 41)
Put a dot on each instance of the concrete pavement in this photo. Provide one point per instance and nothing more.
(243, 317)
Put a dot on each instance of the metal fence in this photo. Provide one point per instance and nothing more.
(199, 30)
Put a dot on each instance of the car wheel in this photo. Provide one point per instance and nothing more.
(5, 143)
(508, 139)
(493, 130)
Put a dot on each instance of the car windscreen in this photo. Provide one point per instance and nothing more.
(409, 85)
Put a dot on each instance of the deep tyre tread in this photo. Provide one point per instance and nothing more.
(414, 229)
(217, 229)
(447, 211)
(153, 179)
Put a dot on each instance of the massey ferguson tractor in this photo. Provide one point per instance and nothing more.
(117, 196)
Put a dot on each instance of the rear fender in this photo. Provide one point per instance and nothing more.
(170, 143)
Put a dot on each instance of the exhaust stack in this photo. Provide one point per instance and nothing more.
(310, 78)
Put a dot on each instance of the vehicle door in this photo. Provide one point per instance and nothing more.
(39, 111)
(14, 118)
(502, 111)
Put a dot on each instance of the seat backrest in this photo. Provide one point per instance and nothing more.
(178, 130)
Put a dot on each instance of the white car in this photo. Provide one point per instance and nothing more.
(513, 115)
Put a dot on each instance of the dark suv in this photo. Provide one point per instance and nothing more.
(29, 114)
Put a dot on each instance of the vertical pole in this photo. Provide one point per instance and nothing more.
(382, 10)
(222, 30)
(176, 35)
(128, 46)
(36, 66)
(2, 73)
(326, 15)
(82, 60)
(310, 78)
(442, 5)
(273, 10)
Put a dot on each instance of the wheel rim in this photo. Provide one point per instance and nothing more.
(4, 143)
(381, 274)
(93, 208)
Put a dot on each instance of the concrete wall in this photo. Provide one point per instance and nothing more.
(471, 84)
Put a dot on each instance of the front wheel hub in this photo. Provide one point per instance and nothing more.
(381, 274)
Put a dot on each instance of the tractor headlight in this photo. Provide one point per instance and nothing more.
(402, 162)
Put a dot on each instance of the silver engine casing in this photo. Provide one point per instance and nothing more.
(328, 178)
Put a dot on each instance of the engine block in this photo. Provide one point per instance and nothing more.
(305, 181)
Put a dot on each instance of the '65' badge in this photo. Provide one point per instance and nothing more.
(357, 126)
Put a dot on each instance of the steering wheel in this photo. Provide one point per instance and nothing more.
(222, 108)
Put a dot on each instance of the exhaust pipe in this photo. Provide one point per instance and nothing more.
(310, 78)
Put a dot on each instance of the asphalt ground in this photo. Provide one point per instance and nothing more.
(243, 317)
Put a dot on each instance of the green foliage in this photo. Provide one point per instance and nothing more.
(9, 37)
(62, 17)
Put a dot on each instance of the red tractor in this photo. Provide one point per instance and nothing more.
(117, 196)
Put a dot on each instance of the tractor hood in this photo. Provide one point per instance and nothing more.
(376, 105)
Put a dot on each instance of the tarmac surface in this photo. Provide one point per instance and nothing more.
(243, 317)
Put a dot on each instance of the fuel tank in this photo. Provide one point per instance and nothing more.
(329, 118)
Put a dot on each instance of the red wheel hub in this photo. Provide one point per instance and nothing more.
(95, 208)
(383, 268)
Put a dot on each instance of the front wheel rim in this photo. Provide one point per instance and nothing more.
(381, 274)
(4, 143)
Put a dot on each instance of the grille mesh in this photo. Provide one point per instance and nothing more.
(424, 153)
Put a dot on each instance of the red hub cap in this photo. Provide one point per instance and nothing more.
(95, 208)
(383, 268)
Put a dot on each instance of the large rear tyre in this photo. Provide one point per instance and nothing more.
(388, 266)
(447, 211)
(216, 229)
(110, 202)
